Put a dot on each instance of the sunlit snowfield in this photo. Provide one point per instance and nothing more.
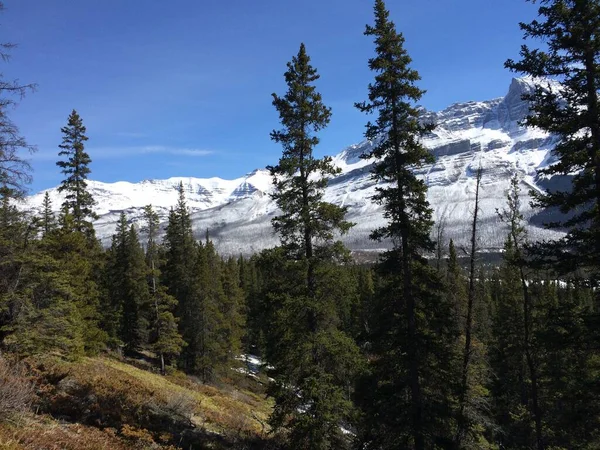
(469, 135)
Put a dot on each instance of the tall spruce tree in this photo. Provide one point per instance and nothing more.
(44, 317)
(13, 226)
(81, 260)
(411, 357)
(515, 259)
(127, 303)
(250, 284)
(313, 359)
(164, 337)
(232, 308)
(566, 103)
(180, 276)
(47, 218)
(569, 108)
(215, 334)
(472, 400)
(112, 308)
(78, 200)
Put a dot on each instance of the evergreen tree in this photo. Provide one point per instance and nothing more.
(165, 339)
(215, 349)
(411, 357)
(13, 228)
(136, 300)
(127, 315)
(254, 336)
(233, 307)
(81, 263)
(513, 217)
(314, 360)
(164, 336)
(78, 200)
(472, 399)
(112, 309)
(47, 219)
(510, 385)
(570, 110)
(570, 365)
(44, 317)
(179, 275)
(15, 174)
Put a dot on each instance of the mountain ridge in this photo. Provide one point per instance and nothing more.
(469, 135)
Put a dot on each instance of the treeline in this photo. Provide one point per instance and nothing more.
(418, 351)
(63, 293)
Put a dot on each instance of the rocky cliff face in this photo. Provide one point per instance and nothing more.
(468, 136)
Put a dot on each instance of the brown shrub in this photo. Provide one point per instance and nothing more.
(137, 434)
(43, 433)
(16, 391)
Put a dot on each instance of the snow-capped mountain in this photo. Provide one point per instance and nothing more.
(469, 135)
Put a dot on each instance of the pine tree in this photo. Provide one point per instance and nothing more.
(472, 400)
(46, 319)
(47, 219)
(41, 309)
(164, 336)
(569, 108)
(313, 359)
(81, 261)
(78, 200)
(127, 313)
(233, 308)
(112, 309)
(570, 369)
(179, 275)
(510, 385)
(411, 288)
(13, 228)
(517, 236)
(254, 336)
(136, 302)
(217, 338)
(15, 174)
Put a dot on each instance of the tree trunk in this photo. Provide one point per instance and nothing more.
(464, 388)
(162, 357)
(412, 351)
(531, 363)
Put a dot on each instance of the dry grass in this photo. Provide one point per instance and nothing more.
(219, 410)
(16, 390)
(45, 433)
(144, 406)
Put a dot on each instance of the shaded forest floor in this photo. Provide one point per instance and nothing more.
(107, 403)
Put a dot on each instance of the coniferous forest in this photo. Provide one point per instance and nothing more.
(428, 348)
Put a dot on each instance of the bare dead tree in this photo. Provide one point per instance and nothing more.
(440, 238)
(15, 170)
(468, 350)
(517, 234)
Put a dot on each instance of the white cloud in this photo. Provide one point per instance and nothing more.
(124, 152)
(170, 150)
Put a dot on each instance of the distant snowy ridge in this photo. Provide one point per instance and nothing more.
(469, 135)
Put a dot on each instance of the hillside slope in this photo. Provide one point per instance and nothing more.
(102, 402)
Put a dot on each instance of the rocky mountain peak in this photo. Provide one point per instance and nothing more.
(469, 135)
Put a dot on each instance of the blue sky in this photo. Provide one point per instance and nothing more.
(183, 88)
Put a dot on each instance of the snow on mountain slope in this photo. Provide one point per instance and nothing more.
(469, 135)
